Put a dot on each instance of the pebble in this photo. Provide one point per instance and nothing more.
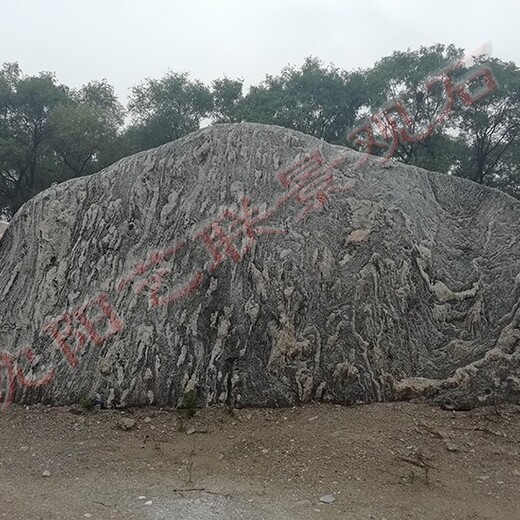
(450, 446)
(46, 473)
(148, 503)
(515, 473)
(147, 420)
(76, 409)
(126, 424)
(483, 477)
(328, 499)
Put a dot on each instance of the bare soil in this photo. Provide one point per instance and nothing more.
(383, 461)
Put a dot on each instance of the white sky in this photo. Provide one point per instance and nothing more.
(125, 41)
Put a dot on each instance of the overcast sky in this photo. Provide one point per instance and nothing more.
(125, 41)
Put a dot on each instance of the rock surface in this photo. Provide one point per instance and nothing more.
(3, 227)
(362, 282)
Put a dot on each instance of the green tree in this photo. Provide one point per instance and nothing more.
(85, 129)
(491, 130)
(315, 99)
(227, 100)
(166, 109)
(408, 78)
(27, 162)
(49, 133)
(476, 140)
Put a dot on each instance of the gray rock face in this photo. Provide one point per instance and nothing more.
(3, 227)
(258, 266)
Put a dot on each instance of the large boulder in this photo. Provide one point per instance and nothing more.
(255, 265)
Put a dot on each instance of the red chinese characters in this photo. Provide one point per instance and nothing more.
(13, 373)
(393, 125)
(310, 182)
(487, 85)
(152, 279)
(94, 321)
(365, 137)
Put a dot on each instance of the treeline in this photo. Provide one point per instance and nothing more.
(50, 132)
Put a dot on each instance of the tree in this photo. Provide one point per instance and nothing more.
(227, 100)
(85, 129)
(491, 130)
(166, 109)
(50, 133)
(318, 100)
(27, 163)
(476, 140)
(413, 79)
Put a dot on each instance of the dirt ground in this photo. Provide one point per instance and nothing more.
(384, 461)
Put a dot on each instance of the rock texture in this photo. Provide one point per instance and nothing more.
(3, 227)
(202, 270)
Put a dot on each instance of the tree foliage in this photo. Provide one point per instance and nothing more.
(164, 110)
(491, 131)
(227, 100)
(85, 129)
(405, 76)
(50, 132)
(315, 99)
(479, 140)
(27, 164)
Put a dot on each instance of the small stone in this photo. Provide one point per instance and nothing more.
(76, 409)
(24, 448)
(191, 431)
(265, 451)
(147, 420)
(515, 473)
(328, 499)
(126, 424)
(46, 473)
(148, 503)
(313, 418)
(141, 497)
(450, 446)
(87, 515)
(483, 477)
